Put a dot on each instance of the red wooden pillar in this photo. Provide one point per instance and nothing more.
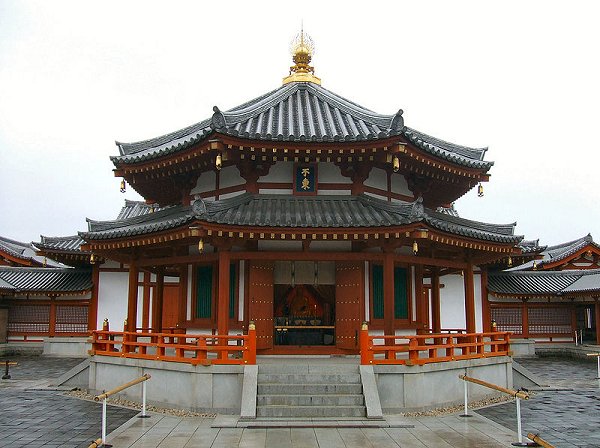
(469, 299)
(597, 319)
(52, 323)
(525, 319)
(157, 302)
(132, 296)
(422, 301)
(388, 294)
(436, 312)
(223, 295)
(93, 306)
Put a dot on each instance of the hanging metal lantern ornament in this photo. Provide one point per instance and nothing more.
(480, 190)
(122, 189)
(92, 259)
(509, 261)
(219, 161)
(396, 164)
(201, 246)
(415, 248)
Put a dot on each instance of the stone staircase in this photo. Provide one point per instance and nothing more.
(309, 391)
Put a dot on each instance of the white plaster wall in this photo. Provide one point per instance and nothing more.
(452, 301)
(478, 303)
(399, 185)
(280, 172)
(232, 194)
(377, 179)
(280, 245)
(275, 191)
(112, 299)
(329, 172)
(333, 192)
(331, 246)
(378, 196)
(230, 176)
(206, 182)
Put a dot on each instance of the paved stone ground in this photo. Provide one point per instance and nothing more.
(35, 418)
(565, 418)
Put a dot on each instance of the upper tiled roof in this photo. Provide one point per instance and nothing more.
(63, 244)
(531, 247)
(136, 208)
(300, 212)
(299, 112)
(525, 283)
(44, 280)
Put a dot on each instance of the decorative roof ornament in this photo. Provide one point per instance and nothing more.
(417, 211)
(302, 49)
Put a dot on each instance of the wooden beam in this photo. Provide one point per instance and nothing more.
(93, 307)
(132, 296)
(422, 301)
(157, 301)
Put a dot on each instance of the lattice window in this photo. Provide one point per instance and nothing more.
(29, 319)
(549, 321)
(71, 319)
(508, 319)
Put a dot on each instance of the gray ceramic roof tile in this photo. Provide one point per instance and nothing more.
(60, 243)
(299, 112)
(16, 248)
(299, 212)
(558, 283)
(25, 279)
(552, 254)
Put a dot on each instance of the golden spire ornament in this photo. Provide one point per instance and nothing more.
(302, 49)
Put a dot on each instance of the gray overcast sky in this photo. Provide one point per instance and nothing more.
(521, 77)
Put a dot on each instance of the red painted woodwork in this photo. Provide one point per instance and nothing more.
(436, 312)
(260, 303)
(388, 294)
(157, 302)
(170, 305)
(223, 294)
(469, 299)
(597, 319)
(132, 297)
(93, 309)
(349, 294)
(422, 298)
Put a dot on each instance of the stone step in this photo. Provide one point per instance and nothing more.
(293, 378)
(310, 411)
(308, 368)
(308, 389)
(311, 400)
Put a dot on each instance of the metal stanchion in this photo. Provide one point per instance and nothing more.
(6, 375)
(519, 427)
(597, 355)
(104, 444)
(466, 414)
(143, 415)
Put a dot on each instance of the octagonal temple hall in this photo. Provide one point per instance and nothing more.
(298, 223)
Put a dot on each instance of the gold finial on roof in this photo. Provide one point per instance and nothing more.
(302, 49)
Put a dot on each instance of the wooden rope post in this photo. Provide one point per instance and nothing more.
(518, 394)
(118, 389)
(537, 439)
(365, 353)
(597, 355)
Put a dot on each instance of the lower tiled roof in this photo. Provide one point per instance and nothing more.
(254, 210)
(553, 283)
(69, 244)
(51, 280)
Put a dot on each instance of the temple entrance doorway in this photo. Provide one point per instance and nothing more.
(304, 303)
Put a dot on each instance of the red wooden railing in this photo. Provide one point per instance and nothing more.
(425, 349)
(193, 349)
